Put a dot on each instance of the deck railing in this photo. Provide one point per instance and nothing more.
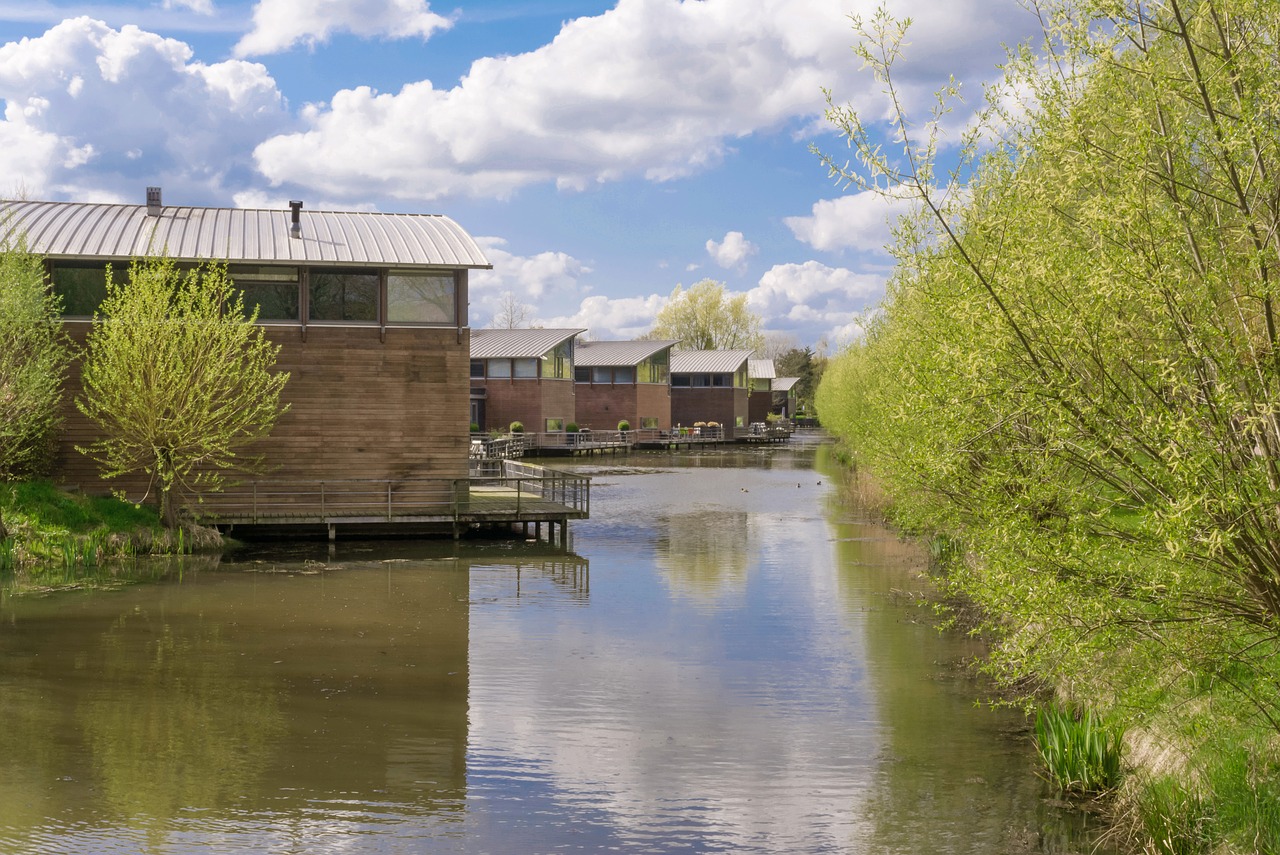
(500, 488)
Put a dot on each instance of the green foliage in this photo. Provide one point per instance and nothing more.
(1080, 752)
(624, 425)
(1174, 818)
(475, 428)
(706, 318)
(571, 427)
(179, 381)
(516, 427)
(1076, 368)
(34, 353)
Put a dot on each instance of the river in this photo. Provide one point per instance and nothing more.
(730, 658)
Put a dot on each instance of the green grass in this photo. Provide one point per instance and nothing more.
(1081, 752)
(45, 507)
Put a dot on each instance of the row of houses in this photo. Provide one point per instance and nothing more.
(370, 312)
(549, 380)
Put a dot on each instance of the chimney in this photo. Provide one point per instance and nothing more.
(153, 202)
(295, 227)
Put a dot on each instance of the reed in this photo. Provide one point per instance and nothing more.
(1081, 752)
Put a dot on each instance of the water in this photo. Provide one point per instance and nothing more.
(729, 661)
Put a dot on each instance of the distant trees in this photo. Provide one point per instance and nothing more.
(34, 353)
(513, 313)
(178, 378)
(706, 318)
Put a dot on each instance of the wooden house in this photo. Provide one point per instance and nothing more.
(369, 311)
(522, 375)
(760, 373)
(784, 396)
(623, 381)
(710, 386)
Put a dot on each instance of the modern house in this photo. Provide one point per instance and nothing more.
(710, 386)
(761, 374)
(784, 396)
(522, 375)
(369, 311)
(623, 381)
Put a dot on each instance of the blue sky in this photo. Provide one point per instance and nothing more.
(602, 153)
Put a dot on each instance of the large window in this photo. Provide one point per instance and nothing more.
(654, 369)
(273, 290)
(82, 287)
(420, 298)
(558, 363)
(524, 368)
(582, 374)
(344, 295)
(499, 369)
(477, 369)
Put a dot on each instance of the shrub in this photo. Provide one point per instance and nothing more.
(475, 428)
(571, 427)
(624, 425)
(516, 427)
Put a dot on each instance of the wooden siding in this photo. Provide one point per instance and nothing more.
(360, 407)
(602, 406)
(759, 405)
(526, 400)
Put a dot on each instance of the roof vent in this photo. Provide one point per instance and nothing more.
(295, 226)
(153, 202)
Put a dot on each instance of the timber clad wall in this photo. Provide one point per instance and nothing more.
(602, 406)
(526, 400)
(758, 405)
(359, 408)
(709, 404)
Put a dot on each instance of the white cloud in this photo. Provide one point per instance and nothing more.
(651, 88)
(280, 24)
(732, 251)
(812, 300)
(859, 221)
(201, 7)
(613, 318)
(545, 281)
(97, 113)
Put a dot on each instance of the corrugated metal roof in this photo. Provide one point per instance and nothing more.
(783, 384)
(517, 344)
(761, 369)
(611, 354)
(708, 361)
(94, 230)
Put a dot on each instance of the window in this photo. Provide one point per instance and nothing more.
(500, 368)
(82, 288)
(738, 421)
(648, 421)
(525, 368)
(559, 362)
(700, 380)
(722, 380)
(420, 298)
(477, 369)
(344, 295)
(681, 380)
(654, 369)
(273, 290)
(555, 424)
(582, 375)
(602, 375)
(624, 374)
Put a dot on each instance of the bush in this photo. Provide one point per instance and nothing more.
(624, 425)
(475, 428)
(571, 427)
(516, 427)
(1081, 753)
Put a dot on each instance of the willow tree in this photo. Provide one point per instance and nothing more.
(706, 317)
(1076, 368)
(179, 379)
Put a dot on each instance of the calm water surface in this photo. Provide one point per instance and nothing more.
(730, 660)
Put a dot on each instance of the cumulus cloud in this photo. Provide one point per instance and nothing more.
(732, 251)
(811, 300)
(201, 7)
(652, 88)
(545, 280)
(98, 113)
(278, 25)
(859, 221)
(613, 318)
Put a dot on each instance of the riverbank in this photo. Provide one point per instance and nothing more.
(46, 534)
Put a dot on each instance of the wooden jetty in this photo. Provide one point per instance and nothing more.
(498, 493)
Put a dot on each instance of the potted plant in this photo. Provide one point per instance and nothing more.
(624, 426)
(516, 427)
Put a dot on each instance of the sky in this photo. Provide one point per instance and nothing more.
(602, 154)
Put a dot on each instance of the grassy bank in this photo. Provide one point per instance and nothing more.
(55, 538)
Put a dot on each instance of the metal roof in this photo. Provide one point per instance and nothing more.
(109, 231)
(761, 369)
(708, 361)
(783, 384)
(611, 354)
(517, 344)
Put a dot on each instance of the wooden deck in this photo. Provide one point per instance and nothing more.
(501, 492)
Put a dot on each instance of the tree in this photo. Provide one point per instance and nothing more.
(1077, 365)
(34, 353)
(513, 313)
(706, 318)
(178, 379)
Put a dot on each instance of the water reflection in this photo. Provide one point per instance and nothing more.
(704, 555)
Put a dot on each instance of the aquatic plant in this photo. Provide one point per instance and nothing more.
(1081, 752)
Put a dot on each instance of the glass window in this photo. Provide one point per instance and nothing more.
(559, 362)
(648, 421)
(420, 298)
(624, 374)
(477, 368)
(721, 379)
(582, 375)
(700, 380)
(525, 368)
(681, 380)
(344, 295)
(654, 369)
(555, 424)
(82, 287)
(500, 368)
(602, 375)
